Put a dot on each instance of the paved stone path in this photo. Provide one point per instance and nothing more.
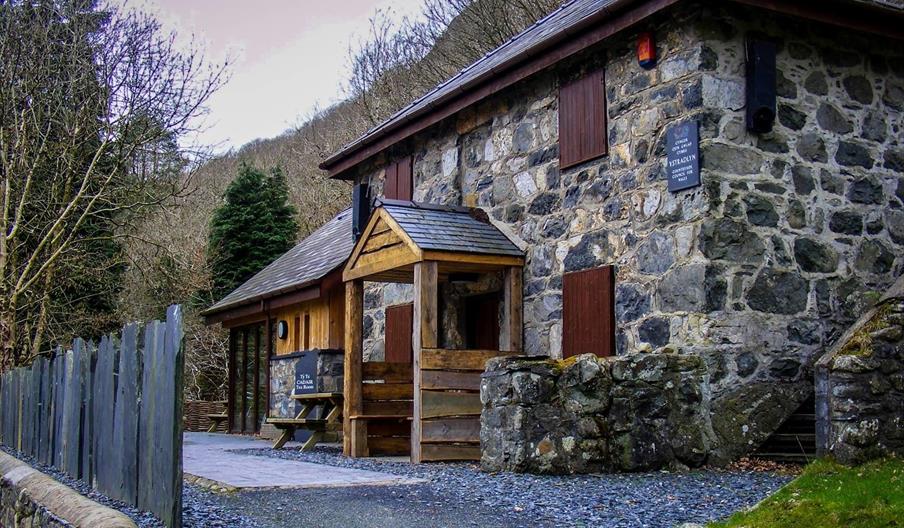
(212, 456)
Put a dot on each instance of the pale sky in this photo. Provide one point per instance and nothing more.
(290, 56)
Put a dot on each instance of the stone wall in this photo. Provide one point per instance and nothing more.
(330, 378)
(860, 387)
(29, 498)
(589, 414)
(760, 269)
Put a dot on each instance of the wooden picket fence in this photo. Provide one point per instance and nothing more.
(110, 415)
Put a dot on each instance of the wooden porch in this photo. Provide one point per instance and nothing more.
(436, 399)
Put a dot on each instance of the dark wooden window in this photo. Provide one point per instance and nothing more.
(482, 322)
(399, 182)
(399, 326)
(588, 312)
(582, 120)
(296, 333)
(307, 331)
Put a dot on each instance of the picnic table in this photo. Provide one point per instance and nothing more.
(331, 418)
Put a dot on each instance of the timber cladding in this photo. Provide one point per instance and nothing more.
(387, 393)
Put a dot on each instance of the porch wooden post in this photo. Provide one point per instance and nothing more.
(354, 434)
(513, 320)
(425, 334)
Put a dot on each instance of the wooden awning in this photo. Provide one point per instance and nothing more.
(401, 234)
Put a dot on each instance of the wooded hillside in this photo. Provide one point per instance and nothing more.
(393, 64)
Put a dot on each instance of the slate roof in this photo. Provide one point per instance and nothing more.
(564, 20)
(439, 228)
(312, 259)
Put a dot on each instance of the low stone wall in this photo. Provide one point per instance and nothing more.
(29, 498)
(860, 387)
(588, 414)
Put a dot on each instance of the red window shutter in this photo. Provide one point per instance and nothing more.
(391, 182)
(405, 177)
(588, 312)
(582, 120)
(399, 326)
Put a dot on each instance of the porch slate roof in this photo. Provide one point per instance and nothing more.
(312, 259)
(443, 228)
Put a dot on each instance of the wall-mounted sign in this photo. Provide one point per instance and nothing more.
(683, 163)
(306, 373)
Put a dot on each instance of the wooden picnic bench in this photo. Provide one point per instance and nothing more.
(331, 412)
(215, 420)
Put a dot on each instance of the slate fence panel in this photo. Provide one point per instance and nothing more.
(110, 415)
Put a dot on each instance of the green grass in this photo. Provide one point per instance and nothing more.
(828, 494)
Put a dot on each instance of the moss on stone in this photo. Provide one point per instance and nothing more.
(861, 343)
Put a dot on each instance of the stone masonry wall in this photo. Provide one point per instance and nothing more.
(587, 414)
(860, 387)
(758, 270)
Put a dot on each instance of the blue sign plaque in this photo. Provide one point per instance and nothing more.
(683, 162)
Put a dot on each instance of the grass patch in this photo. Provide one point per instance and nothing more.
(861, 343)
(828, 494)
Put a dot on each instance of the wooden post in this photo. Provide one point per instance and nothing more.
(425, 335)
(513, 321)
(354, 434)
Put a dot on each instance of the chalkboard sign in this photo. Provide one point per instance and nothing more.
(306, 374)
(683, 156)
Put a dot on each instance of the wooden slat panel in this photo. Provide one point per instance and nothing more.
(395, 408)
(388, 372)
(588, 312)
(388, 445)
(446, 379)
(382, 240)
(582, 120)
(439, 452)
(436, 404)
(387, 391)
(399, 325)
(443, 359)
(451, 430)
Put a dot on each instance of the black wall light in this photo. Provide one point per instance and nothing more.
(760, 85)
(282, 329)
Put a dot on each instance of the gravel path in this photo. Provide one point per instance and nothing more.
(459, 495)
(658, 499)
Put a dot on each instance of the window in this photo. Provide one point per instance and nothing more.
(399, 181)
(582, 120)
(296, 333)
(307, 331)
(588, 312)
(399, 327)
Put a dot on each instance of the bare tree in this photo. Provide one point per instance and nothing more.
(93, 103)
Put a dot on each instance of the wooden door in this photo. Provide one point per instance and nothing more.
(482, 322)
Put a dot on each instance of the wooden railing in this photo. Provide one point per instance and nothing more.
(450, 402)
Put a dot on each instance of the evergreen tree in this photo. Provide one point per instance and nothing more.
(253, 226)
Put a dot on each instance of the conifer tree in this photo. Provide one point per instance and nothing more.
(253, 227)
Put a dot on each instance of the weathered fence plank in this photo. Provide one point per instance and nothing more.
(124, 457)
(59, 405)
(104, 409)
(153, 339)
(87, 433)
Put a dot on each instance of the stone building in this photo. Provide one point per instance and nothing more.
(562, 138)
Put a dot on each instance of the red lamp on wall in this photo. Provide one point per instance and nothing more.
(646, 50)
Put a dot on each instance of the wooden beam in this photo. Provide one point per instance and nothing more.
(425, 335)
(513, 311)
(354, 436)
(446, 359)
(482, 259)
